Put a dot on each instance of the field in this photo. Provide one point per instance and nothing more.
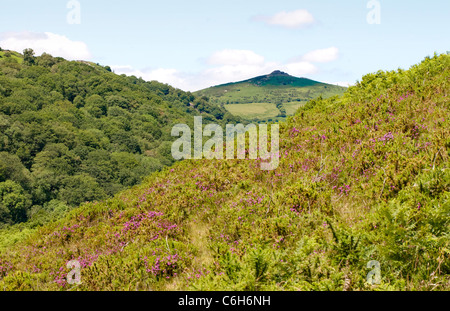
(262, 111)
(255, 110)
(247, 93)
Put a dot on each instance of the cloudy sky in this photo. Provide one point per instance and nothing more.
(199, 43)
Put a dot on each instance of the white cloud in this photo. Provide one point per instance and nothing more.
(54, 44)
(123, 69)
(322, 56)
(227, 73)
(235, 65)
(340, 83)
(200, 80)
(236, 57)
(293, 19)
(163, 75)
(224, 66)
(300, 69)
(229, 66)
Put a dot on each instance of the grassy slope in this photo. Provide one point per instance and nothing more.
(247, 93)
(292, 107)
(18, 57)
(363, 177)
(253, 110)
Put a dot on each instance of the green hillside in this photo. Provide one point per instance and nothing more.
(74, 131)
(363, 177)
(12, 54)
(277, 92)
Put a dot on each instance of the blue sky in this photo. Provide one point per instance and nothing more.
(196, 44)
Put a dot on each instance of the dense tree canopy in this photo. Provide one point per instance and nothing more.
(76, 132)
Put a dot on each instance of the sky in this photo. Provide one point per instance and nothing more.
(196, 44)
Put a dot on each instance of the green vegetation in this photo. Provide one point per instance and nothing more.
(11, 54)
(74, 131)
(292, 107)
(362, 177)
(278, 88)
(254, 110)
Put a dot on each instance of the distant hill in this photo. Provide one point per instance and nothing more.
(271, 96)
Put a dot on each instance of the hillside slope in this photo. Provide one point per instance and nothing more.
(362, 178)
(279, 90)
(72, 132)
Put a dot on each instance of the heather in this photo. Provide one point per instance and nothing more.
(362, 177)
